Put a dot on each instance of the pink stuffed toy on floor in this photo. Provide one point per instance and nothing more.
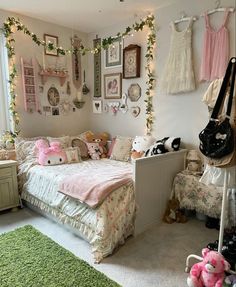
(50, 155)
(210, 272)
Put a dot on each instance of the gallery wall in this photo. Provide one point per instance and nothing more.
(34, 124)
(181, 115)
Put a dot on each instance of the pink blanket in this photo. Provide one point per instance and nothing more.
(92, 187)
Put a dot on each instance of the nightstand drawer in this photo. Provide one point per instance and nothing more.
(5, 172)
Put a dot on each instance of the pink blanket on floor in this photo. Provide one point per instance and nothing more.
(92, 187)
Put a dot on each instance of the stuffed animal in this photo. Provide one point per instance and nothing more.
(231, 280)
(155, 149)
(210, 272)
(50, 155)
(173, 213)
(140, 145)
(164, 145)
(95, 150)
(171, 143)
(100, 139)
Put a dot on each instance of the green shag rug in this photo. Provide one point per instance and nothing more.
(30, 259)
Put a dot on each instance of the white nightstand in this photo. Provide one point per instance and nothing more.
(9, 196)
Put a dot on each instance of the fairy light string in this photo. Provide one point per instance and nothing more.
(12, 25)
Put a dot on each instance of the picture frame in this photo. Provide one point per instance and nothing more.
(131, 61)
(97, 106)
(113, 54)
(53, 96)
(134, 92)
(52, 39)
(113, 86)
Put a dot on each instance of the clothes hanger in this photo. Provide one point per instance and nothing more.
(219, 9)
(185, 18)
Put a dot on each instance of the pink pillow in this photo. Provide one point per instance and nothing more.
(111, 147)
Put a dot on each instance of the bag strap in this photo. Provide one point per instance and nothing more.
(226, 81)
(231, 95)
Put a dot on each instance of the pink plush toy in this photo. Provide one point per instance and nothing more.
(95, 150)
(209, 272)
(50, 155)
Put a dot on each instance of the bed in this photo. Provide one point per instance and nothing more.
(128, 210)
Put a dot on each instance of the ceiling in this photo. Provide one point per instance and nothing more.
(87, 15)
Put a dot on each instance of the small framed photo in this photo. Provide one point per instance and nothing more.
(113, 54)
(97, 106)
(112, 86)
(131, 61)
(51, 39)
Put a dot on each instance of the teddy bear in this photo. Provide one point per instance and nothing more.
(140, 145)
(95, 150)
(231, 280)
(50, 155)
(210, 272)
(173, 213)
(101, 139)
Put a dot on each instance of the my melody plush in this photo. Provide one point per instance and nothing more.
(140, 145)
(164, 145)
(50, 155)
(101, 139)
(210, 272)
(231, 280)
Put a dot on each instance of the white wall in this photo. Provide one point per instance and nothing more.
(35, 124)
(181, 115)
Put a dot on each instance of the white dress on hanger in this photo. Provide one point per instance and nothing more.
(178, 74)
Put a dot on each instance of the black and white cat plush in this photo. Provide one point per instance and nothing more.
(162, 146)
(171, 143)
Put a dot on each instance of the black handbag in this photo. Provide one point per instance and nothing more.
(217, 139)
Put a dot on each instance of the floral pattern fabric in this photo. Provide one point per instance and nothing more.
(195, 195)
(105, 227)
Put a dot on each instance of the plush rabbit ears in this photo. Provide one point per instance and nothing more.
(41, 144)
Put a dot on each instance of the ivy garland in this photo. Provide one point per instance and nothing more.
(11, 25)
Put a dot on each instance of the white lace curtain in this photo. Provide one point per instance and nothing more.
(4, 88)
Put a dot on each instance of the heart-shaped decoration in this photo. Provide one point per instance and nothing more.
(97, 106)
(135, 111)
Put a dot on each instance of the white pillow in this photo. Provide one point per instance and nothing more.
(122, 149)
(25, 149)
(64, 141)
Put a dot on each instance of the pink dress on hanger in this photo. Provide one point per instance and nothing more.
(215, 54)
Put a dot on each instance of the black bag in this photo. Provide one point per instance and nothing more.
(217, 139)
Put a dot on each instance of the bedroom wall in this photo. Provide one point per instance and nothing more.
(181, 115)
(35, 124)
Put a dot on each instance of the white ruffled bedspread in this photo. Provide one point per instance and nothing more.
(105, 227)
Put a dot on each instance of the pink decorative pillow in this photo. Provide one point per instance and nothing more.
(110, 147)
(50, 155)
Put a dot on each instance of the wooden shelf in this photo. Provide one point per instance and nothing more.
(61, 76)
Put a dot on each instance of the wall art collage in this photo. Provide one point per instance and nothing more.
(47, 87)
(127, 60)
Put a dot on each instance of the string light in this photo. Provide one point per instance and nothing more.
(11, 25)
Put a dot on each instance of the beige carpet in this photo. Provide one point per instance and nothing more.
(155, 258)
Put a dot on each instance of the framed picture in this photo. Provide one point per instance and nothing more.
(51, 39)
(113, 54)
(112, 86)
(134, 92)
(131, 61)
(97, 106)
(53, 96)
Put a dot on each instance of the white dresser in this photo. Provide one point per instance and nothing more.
(9, 196)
